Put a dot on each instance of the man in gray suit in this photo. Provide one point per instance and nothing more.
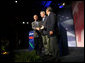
(35, 27)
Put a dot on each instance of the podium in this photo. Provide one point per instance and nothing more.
(31, 40)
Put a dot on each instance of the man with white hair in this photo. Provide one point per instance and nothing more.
(45, 38)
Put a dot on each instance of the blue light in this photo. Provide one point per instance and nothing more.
(61, 6)
(43, 2)
(48, 3)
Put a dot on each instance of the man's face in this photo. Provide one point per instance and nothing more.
(35, 17)
(47, 12)
(42, 14)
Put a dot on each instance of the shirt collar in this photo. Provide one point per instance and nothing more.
(35, 21)
(48, 14)
(44, 16)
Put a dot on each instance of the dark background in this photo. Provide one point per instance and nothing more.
(13, 14)
(11, 28)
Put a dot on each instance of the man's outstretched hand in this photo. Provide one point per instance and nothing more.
(42, 27)
(37, 28)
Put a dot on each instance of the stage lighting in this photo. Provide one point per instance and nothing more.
(5, 53)
(63, 4)
(16, 1)
(23, 22)
(59, 4)
(46, 3)
(27, 22)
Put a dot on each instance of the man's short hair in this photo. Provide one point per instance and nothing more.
(35, 15)
(42, 12)
(49, 9)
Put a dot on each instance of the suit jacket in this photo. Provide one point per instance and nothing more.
(51, 24)
(44, 31)
(34, 25)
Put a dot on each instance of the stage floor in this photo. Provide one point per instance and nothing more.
(75, 55)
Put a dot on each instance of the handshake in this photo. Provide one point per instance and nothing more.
(38, 28)
(42, 27)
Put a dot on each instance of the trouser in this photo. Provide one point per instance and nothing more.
(46, 43)
(54, 50)
(38, 42)
(38, 46)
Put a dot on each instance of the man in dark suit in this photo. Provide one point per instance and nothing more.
(52, 29)
(45, 38)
